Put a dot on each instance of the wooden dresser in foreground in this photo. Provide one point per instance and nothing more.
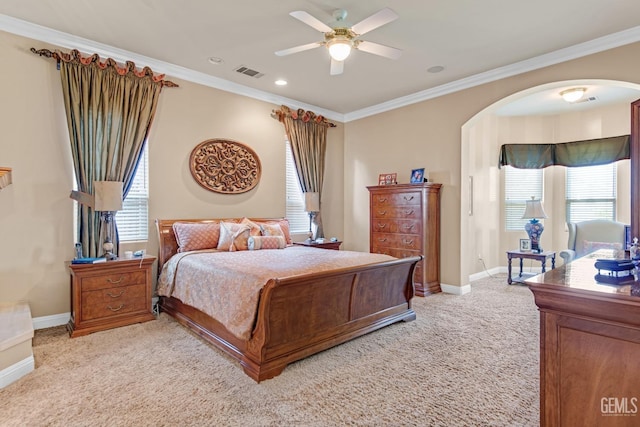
(110, 294)
(589, 347)
(405, 221)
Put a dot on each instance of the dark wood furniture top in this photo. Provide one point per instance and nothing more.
(589, 347)
(110, 294)
(327, 244)
(303, 315)
(541, 256)
(405, 221)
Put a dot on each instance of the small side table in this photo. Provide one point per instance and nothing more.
(327, 244)
(542, 257)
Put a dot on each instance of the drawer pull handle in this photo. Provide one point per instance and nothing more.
(408, 198)
(408, 212)
(116, 309)
(408, 242)
(382, 199)
(408, 227)
(382, 225)
(114, 282)
(382, 213)
(114, 295)
(384, 239)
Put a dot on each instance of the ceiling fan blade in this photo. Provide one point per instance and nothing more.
(337, 67)
(379, 49)
(311, 21)
(376, 20)
(297, 49)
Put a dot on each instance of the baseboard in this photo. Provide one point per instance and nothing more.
(486, 273)
(16, 371)
(455, 290)
(44, 322)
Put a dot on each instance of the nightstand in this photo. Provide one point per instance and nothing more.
(327, 244)
(110, 294)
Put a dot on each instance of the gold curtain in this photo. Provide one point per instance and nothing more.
(109, 110)
(307, 133)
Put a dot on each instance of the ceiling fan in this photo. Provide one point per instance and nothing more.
(340, 38)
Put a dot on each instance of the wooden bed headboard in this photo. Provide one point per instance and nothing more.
(167, 243)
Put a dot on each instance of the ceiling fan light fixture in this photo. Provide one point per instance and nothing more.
(339, 49)
(573, 94)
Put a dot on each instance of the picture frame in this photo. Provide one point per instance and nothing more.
(627, 237)
(525, 245)
(417, 176)
(388, 178)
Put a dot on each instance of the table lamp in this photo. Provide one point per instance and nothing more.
(534, 228)
(311, 205)
(107, 200)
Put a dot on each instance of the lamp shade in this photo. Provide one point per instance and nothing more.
(534, 210)
(311, 202)
(107, 196)
(340, 49)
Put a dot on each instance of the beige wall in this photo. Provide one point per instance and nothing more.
(36, 214)
(36, 227)
(429, 134)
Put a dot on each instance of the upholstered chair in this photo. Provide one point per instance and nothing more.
(588, 236)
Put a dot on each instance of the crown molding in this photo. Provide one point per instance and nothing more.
(607, 42)
(69, 41)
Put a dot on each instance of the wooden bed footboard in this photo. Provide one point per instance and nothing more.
(301, 316)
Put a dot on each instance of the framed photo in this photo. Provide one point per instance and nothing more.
(417, 176)
(525, 245)
(387, 178)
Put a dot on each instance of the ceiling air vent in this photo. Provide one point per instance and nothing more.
(249, 72)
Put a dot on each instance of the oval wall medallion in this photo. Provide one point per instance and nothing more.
(225, 166)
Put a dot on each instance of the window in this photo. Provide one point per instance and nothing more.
(298, 218)
(133, 219)
(519, 186)
(591, 192)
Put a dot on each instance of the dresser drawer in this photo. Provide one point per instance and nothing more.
(396, 199)
(113, 301)
(394, 240)
(404, 226)
(401, 212)
(105, 281)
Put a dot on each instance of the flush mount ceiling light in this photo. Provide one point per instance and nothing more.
(573, 94)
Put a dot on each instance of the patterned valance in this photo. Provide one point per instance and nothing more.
(129, 66)
(589, 152)
(300, 114)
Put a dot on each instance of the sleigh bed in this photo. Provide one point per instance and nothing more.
(295, 314)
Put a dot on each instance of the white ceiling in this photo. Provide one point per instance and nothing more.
(475, 41)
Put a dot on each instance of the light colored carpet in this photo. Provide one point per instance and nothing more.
(468, 360)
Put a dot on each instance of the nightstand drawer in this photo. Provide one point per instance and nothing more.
(113, 301)
(105, 281)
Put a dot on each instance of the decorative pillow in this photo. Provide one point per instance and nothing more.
(284, 226)
(589, 247)
(255, 227)
(272, 229)
(233, 237)
(195, 236)
(266, 242)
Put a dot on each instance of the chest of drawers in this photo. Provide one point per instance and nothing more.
(404, 222)
(110, 294)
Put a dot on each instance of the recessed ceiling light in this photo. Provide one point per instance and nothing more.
(281, 82)
(435, 69)
(215, 60)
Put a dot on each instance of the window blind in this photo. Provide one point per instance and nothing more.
(133, 219)
(519, 186)
(298, 218)
(591, 192)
